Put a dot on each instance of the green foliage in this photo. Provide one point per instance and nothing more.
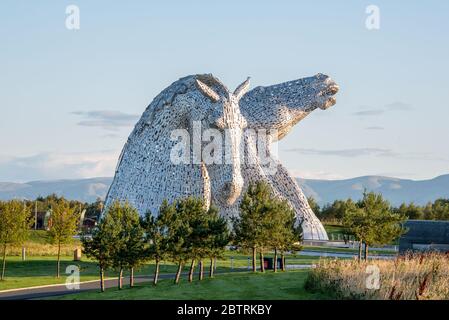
(100, 246)
(15, 222)
(266, 221)
(125, 234)
(93, 210)
(372, 221)
(14, 225)
(219, 235)
(195, 218)
(157, 235)
(64, 222)
(336, 210)
(437, 210)
(281, 230)
(250, 227)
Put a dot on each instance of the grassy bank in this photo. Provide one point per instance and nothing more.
(283, 285)
(38, 244)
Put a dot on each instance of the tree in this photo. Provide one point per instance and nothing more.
(193, 213)
(411, 211)
(64, 225)
(336, 210)
(93, 210)
(249, 227)
(373, 222)
(265, 221)
(428, 212)
(358, 224)
(192, 233)
(101, 245)
(219, 238)
(157, 235)
(132, 235)
(14, 225)
(178, 230)
(127, 239)
(440, 208)
(283, 235)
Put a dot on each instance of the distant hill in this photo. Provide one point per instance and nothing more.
(395, 190)
(324, 191)
(86, 190)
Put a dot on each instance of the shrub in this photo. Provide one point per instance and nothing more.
(409, 277)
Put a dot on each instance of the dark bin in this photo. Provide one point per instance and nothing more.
(268, 263)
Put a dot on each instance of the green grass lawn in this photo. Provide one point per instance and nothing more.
(36, 271)
(282, 285)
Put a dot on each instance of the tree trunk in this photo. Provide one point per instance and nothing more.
(156, 272)
(254, 259)
(201, 275)
(120, 279)
(211, 270)
(58, 266)
(282, 261)
(192, 268)
(101, 279)
(366, 251)
(359, 256)
(275, 267)
(4, 263)
(131, 277)
(178, 273)
(262, 265)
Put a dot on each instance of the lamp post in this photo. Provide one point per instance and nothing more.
(35, 215)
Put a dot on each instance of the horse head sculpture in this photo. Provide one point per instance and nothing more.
(192, 141)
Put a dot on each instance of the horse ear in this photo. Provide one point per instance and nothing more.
(242, 89)
(207, 91)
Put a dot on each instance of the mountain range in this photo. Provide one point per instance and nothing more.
(395, 190)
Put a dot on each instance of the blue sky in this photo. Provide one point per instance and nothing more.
(69, 99)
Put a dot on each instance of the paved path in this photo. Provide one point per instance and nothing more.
(61, 289)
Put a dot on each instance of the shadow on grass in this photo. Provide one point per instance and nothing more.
(282, 285)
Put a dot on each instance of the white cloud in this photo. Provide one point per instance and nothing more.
(399, 106)
(319, 175)
(48, 166)
(350, 153)
(394, 106)
(375, 128)
(110, 120)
